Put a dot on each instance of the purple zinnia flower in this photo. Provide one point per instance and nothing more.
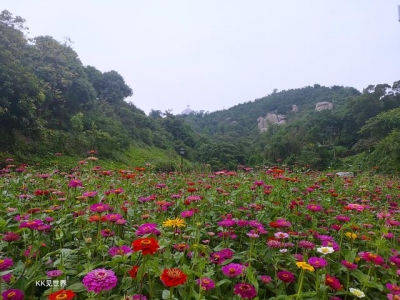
(122, 250)
(13, 294)
(245, 290)
(5, 263)
(206, 283)
(233, 270)
(100, 280)
(54, 273)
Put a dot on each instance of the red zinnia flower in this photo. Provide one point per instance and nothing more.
(133, 272)
(173, 277)
(146, 245)
(62, 295)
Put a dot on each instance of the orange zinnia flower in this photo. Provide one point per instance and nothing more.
(146, 245)
(173, 277)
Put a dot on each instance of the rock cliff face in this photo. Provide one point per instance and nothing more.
(263, 123)
(323, 106)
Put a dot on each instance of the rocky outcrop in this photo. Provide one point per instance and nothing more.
(263, 123)
(295, 108)
(323, 106)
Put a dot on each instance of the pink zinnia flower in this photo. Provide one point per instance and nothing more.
(265, 279)
(395, 289)
(349, 265)
(233, 270)
(206, 283)
(306, 244)
(90, 194)
(74, 183)
(245, 290)
(371, 257)
(314, 207)
(187, 214)
(281, 235)
(100, 280)
(113, 217)
(54, 273)
(11, 237)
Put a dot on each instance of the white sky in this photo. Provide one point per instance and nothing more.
(214, 54)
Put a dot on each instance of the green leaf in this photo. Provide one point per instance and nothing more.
(77, 287)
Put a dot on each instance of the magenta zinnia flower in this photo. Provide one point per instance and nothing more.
(233, 270)
(314, 207)
(100, 280)
(99, 207)
(371, 257)
(206, 283)
(5, 263)
(11, 237)
(395, 289)
(147, 228)
(54, 273)
(348, 265)
(13, 294)
(286, 276)
(31, 224)
(245, 290)
(74, 183)
(317, 262)
(122, 250)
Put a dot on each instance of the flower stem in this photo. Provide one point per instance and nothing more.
(298, 296)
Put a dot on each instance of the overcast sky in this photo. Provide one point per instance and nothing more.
(214, 54)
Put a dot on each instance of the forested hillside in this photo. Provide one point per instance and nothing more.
(51, 103)
(361, 127)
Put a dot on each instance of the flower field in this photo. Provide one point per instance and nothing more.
(93, 233)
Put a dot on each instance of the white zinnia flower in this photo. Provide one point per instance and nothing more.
(357, 292)
(325, 250)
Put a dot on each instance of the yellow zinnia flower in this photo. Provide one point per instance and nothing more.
(177, 222)
(350, 235)
(305, 266)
